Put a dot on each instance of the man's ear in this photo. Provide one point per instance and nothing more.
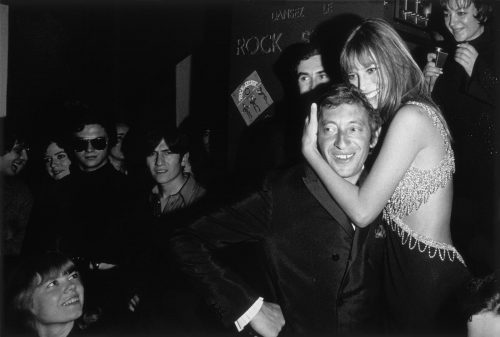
(185, 160)
(185, 164)
(375, 135)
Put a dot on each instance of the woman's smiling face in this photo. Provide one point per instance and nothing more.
(461, 21)
(58, 299)
(367, 79)
(57, 162)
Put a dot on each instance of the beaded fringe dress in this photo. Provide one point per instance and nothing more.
(423, 278)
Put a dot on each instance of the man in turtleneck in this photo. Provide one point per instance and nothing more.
(100, 206)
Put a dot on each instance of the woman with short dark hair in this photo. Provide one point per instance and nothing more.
(466, 87)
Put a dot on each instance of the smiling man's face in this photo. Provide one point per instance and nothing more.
(345, 139)
(12, 162)
(164, 165)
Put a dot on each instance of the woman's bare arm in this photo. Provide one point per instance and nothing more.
(408, 133)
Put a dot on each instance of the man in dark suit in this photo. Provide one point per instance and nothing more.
(322, 268)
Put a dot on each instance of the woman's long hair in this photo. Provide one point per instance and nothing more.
(401, 80)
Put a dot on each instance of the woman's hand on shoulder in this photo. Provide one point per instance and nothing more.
(310, 134)
(431, 72)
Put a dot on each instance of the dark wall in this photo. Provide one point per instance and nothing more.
(123, 53)
(119, 53)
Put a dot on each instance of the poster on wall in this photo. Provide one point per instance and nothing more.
(264, 32)
(251, 98)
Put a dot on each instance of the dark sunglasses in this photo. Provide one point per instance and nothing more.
(82, 144)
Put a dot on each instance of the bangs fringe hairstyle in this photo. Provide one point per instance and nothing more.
(376, 42)
(400, 79)
(141, 142)
(152, 136)
(484, 8)
(28, 276)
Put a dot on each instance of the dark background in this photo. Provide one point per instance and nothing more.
(123, 53)
(119, 53)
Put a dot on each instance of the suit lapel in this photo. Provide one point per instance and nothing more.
(315, 186)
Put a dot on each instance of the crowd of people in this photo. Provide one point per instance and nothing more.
(378, 220)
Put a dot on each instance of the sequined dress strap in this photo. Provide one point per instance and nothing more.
(414, 190)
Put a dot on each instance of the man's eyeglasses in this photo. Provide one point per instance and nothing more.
(82, 144)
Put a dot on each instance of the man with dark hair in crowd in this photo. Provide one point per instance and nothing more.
(92, 137)
(16, 199)
(167, 197)
(158, 156)
(310, 77)
(309, 69)
(323, 270)
(97, 234)
(167, 154)
(275, 137)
